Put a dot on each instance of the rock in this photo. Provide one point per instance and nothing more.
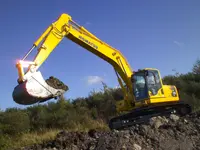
(93, 133)
(126, 131)
(74, 147)
(156, 122)
(185, 121)
(132, 132)
(174, 117)
(137, 147)
(115, 131)
(127, 136)
(144, 129)
(92, 147)
(123, 147)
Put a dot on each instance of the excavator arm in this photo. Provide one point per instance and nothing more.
(32, 80)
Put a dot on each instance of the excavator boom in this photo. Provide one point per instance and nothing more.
(63, 27)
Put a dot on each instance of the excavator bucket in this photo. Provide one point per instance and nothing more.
(35, 89)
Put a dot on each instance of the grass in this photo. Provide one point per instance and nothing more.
(27, 139)
(87, 125)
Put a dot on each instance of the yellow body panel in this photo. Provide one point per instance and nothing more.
(166, 97)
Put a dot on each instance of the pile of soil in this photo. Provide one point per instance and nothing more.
(56, 83)
(160, 133)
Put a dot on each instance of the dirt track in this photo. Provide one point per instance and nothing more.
(160, 134)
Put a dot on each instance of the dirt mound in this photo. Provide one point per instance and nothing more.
(56, 83)
(173, 133)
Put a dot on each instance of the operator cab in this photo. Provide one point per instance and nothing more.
(146, 82)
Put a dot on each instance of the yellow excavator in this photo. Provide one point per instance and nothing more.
(144, 94)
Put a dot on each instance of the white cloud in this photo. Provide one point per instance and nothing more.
(94, 80)
(179, 44)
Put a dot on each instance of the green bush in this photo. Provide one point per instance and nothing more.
(14, 122)
(5, 142)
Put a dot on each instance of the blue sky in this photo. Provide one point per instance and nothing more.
(159, 34)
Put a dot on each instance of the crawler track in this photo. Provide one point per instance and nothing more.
(142, 115)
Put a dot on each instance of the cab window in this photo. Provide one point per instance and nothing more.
(139, 86)
(153, 81)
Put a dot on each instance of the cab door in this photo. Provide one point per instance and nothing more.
(140, 86)
(154, 84)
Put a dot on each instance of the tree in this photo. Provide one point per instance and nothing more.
(14, 122)
(196, 67)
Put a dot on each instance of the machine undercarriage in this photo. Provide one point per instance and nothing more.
(143, 115)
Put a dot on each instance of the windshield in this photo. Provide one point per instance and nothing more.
(139, 86)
